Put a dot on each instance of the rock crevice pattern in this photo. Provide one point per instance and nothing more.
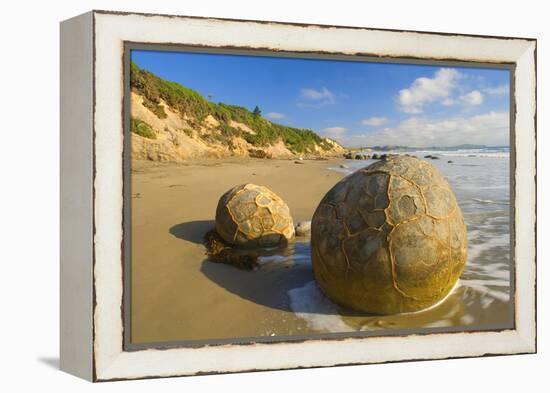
(253, 216)
(389, 238)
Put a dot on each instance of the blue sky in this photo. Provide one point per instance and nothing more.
(355, 103)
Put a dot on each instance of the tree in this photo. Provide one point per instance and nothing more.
(256, 112)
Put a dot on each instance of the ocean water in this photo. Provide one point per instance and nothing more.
(481, 181)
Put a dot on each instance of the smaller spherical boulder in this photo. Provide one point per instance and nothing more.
(249, 215)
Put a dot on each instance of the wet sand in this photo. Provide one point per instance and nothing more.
(176, 293)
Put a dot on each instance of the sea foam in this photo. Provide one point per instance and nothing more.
(309, 303)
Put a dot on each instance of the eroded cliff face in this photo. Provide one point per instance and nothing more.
(178, 137)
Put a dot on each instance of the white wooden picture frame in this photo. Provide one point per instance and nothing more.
(92, 193)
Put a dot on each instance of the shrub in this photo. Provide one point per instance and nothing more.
(189, 132)
(157, 109)
(142, 129)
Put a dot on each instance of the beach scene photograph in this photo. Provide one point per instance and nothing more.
(277, 198)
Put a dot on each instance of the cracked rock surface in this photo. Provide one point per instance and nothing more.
(389, 238)
(249, 215)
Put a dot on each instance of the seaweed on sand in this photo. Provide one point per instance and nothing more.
(220, 252)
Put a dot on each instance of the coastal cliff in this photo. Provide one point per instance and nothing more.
(170, 122)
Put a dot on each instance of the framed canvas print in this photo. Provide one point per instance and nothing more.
(245, 195)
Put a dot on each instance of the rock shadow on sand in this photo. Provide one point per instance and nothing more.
(287, 271)
(266, 287)
(192, 231)
(272, 286)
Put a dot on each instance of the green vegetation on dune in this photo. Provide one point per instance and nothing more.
(197, 108)
(141, 128)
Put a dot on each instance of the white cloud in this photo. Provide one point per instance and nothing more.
(276, 115)
(427, 90)
(374, 121)
(488, 129)
(319, 97)
(497, 90)
(448, 101)
(472, 98)
(334, 132)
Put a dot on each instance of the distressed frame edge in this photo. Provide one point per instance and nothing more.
(526, 339)
(526, 201)
(304, 24)
(76, 196)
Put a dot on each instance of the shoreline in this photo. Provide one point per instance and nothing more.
(177, 295)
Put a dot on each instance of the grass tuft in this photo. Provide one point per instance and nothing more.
(141, 128)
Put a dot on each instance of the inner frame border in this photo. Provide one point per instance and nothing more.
(128, 46)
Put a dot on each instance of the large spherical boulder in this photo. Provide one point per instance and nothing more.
(249, 215)
(389, 238)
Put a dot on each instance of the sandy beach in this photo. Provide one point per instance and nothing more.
(176, 294)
